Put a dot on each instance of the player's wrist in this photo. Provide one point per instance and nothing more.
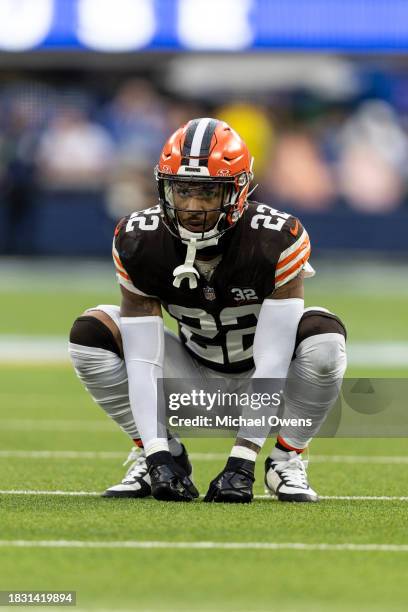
(162, 457)
(235, 464)
(249, 453)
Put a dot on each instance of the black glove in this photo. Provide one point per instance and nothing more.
(234, 484)
(169, 482)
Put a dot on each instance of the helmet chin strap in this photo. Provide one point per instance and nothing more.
(187, 269)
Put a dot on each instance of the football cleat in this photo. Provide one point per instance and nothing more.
(136, 482)
(234, 484)
(169, 481)
(288, 479)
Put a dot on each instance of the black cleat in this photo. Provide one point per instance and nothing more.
(168, 481)
(234, 484)
(136, 482)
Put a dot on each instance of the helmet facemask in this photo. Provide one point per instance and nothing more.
(203, 225)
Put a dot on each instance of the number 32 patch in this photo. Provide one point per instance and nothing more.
(243, 294)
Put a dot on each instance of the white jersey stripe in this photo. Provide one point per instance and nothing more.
(288, 278)
(197, 140)
(304, 235)
(298, 257)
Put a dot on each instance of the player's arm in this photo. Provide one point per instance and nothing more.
(275, 334)
(142, 332)
(143, 348)
(281, 311)
(274, 342)
(134, 305)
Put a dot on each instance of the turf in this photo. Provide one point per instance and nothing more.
(45, 409)
(187, 579)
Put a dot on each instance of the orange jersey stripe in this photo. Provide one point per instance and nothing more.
(123, 275)
(118, 262)
(289, 258)
(296, 266)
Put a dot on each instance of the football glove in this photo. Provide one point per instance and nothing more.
(234, 484)
(169, 482)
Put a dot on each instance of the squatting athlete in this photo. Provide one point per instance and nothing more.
(230, 270)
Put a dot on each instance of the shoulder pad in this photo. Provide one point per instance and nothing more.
(282, 241)
(131, 233)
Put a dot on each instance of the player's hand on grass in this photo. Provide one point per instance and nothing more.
(234, 484)
(169, 482)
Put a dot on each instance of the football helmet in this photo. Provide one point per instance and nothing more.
(204, 153)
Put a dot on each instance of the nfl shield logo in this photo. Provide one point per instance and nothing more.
(209, 293)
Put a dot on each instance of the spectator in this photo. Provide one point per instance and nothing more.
(136, 119)
(373, 159)
(74, 152)
(17, 179)
(253, 125)
(297, 176)
(130, 189)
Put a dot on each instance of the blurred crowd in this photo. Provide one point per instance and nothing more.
(309, 156)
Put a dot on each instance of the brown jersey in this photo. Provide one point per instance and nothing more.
(218, 318)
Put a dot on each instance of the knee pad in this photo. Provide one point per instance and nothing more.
(316, 322)
(328, 357)
(320, 343)
(99, 366)
(90, 331)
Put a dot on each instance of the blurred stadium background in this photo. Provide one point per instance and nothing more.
(89, 91)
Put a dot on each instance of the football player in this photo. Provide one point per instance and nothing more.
(230, 271)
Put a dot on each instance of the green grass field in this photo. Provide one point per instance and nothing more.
(54, 438)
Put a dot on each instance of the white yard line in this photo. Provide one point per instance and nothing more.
(110, 455)
(54, 349)
(50, 454)
(206, 545)
(39, 492)
(350, 497)
(56, 425)
(271, 498)
(114, 455)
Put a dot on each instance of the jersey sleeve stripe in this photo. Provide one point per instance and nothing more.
(118, 265)
(286, 280)
(280, 279)
(123, 275)
(290, 253)
(292, 259)
(116, 259)
(295, 245)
